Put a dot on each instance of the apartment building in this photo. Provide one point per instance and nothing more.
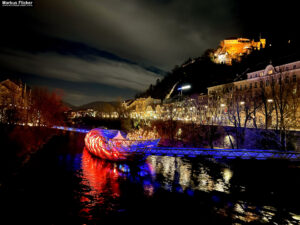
(268, 98)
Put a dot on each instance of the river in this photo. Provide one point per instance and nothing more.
(64, 184)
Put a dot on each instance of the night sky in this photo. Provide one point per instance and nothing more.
(103, 50)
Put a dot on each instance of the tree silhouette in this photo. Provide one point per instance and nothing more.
(46, 108)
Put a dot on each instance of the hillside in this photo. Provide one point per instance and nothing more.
(99, 106)
(201, 72)
(68, 105)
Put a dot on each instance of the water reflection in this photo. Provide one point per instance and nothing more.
(62, 184)
(99, 183)
(108, 188)
(244, 212)
(180, 172)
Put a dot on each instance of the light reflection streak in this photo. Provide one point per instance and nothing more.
(202, 179)
(295, 216)
(184, 174)
(168, 166)
(102, 180)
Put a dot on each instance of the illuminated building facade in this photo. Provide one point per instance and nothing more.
(144, 108)
(268, 98)
(14, 99)
(234, 48)
(186, 110)
(12, 94)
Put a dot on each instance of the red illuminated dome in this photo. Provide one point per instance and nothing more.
(113, 145)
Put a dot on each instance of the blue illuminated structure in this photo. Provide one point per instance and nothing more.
(225, 153)
(148, 147)
(71, 129)
(113, 145)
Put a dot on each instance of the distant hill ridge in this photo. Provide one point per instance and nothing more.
(98, 105)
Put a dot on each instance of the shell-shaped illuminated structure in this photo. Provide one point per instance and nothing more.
(112, 145)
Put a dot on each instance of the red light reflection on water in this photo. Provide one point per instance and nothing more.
(100, 183)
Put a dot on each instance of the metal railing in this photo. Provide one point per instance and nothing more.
(222, 153)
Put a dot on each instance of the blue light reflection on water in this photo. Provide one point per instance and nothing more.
(106, 186)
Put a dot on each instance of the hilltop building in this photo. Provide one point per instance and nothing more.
(233, 48)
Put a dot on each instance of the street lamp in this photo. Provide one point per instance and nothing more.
(184, 87)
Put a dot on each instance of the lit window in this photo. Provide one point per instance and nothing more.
(270, 72)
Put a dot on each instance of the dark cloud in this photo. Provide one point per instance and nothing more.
(149, 32)
(69, 68)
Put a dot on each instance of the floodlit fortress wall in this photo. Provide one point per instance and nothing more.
(234, 48)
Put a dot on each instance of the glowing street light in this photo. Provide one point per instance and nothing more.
(185, 87)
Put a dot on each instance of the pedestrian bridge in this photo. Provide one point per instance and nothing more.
(222, 153)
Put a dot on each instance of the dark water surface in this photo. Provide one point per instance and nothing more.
(63, 184)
